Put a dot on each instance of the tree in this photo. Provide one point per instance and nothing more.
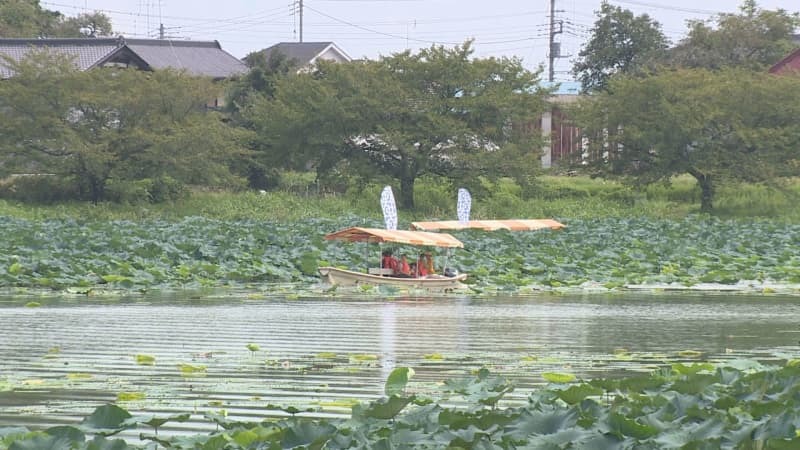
(27, 19)
(620, 43)
(83, 25)
(259, 81)
(754, 39)
(264, 72)
(122, 124)
(436, 112)
(714, 125)
(24, 18)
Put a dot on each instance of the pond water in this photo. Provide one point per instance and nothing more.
(61, 360)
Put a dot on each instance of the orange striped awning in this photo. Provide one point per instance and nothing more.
(489, 225)
(358, 234)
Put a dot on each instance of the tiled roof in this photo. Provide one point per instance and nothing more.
(302, 52)
(85, 54)
(197, 58)
(205, 58)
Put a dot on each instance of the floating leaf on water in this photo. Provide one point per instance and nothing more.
(33, 305)
(190, 369)
(326, 355)
(145, 360)
(692, 369)
(339, 403)
(107, 417)
(130, 396)
(529, 359)
(215, 403)
(690, 354)
(434, 357)
(79, 376)
(793, 363)
(253, 347)
(363, 358)
(558, 377)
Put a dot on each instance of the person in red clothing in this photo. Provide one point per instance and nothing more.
(403, 269)
(423, 269)
(388, 261)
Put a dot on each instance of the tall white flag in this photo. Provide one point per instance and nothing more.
(389, 208)
(463, 206)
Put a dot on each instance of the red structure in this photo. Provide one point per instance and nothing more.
(789, 64)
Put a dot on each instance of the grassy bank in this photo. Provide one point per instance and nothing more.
(552, 196)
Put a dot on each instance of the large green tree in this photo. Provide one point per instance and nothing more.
(714, 125)
(754, 39)
(437, 112)
(27, 19)
(620, 42)
(122, 124)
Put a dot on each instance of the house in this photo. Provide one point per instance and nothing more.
(199, 58)
(306, 54)
(789, 64)
(562, 138)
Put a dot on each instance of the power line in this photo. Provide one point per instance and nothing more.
(668, 8)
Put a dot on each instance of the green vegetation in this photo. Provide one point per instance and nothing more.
(110, 134)
(740, 405)
(565, 197)
(27, 18)
(439, 112)
(611, 249)
(717, 126)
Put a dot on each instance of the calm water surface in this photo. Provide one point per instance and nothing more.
(61, 360)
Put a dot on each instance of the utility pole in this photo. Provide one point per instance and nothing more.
(161, 31)
(555, 47)
(301, 20)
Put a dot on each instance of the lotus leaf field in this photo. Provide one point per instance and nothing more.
(741, 405)
(609, 253)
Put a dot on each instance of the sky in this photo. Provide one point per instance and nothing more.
(371, 28)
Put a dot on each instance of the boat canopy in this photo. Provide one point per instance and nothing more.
(489, 225)
(359, 234)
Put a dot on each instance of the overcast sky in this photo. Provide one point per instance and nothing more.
(370, 28)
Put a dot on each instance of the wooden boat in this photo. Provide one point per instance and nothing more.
(377, 276)
(342, 277)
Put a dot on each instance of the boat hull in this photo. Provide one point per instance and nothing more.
(342, 277)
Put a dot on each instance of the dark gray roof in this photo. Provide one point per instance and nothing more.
(204, 58)
(302, 52)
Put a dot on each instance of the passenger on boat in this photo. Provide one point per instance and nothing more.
(425, 263)
(422, 266)
(403, 268)
(388, 261)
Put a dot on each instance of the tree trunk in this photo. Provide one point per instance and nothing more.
(407, 192)
(706, 190)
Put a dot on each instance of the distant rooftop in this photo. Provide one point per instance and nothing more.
(203, 58)
(305, 53)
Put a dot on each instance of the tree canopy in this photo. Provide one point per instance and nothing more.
(112, 124)
(437, 112)
(620, 42)
(753, 39)
(27, 19)
(714, 125)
